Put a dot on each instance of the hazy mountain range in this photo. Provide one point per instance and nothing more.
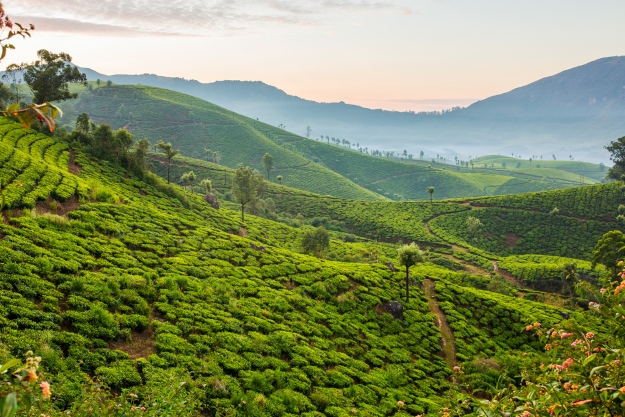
(577, 111)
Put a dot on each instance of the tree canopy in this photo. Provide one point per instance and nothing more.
(409, 255)
(247, 185)
(609, 250)
(617, 155)
(50, 75)
(315, 241)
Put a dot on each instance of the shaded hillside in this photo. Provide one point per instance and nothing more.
(578, 110)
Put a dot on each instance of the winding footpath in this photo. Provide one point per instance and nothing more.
(448, 344)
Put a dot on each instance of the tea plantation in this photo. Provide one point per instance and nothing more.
(137, 292)
(193, 125)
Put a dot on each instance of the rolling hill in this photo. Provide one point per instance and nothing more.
(193, 125)
(576, 111)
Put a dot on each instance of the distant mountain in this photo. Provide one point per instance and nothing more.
(576, 112)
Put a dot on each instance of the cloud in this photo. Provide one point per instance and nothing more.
(183, 17)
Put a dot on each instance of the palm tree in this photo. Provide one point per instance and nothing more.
(169, 152)
(431, 191)
(409, 255)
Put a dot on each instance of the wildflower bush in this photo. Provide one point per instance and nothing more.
(582, 371)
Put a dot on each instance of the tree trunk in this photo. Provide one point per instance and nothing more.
(168, 169)
(407, 275)
(242, 213)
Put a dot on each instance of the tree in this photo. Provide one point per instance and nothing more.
(209, 153)
(169, 152)
(207, 185)
(83, 123)
(187, 179)
(473, 225)
(279, 178)
(50, 75)
(608, 251)
(109, 83)
(316, 241)
(308, 131)
(123, 141)
(268, 163)
(617, 155)
(431, 191)
(247, 185)
(409, 255)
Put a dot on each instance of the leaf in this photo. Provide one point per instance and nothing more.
(9, 408)
(589, 359)
(595, 369)
(7, 365)
(13, 107)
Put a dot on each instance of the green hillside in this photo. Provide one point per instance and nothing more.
(147, 288)
(192, 125)
(548, 168)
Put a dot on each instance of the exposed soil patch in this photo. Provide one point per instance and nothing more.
(242, 231)
(512, 239)
(54, 207)
(140, 346)
(448, 345)
(72, 166)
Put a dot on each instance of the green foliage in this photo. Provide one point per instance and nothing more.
(580, 373)
(608, 251)
(316, 241)
(49, 76)
(247, 186)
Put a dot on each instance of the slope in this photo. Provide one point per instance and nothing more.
(192, 125)
(137, 282)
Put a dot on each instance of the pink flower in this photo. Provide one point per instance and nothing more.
(45, 389)
(590, 335)
(457, 368)
(400, 403)
(602, 290)
(565, 335)
(528, 327)
(354, 410)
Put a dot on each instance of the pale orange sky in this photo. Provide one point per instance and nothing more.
(397, 55)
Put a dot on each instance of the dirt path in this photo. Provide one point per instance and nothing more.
(448, 345)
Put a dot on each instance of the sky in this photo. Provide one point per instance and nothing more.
(404, 55)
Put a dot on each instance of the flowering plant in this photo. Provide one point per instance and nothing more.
(22, 387)
(583, 371)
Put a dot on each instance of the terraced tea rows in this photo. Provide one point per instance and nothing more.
(34, 167)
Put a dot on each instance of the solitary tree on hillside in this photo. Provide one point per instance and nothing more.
(431, 191)
(279, 178)
(207, 185)
(308, 131)
(208, 152)
(247, 185)
(169, 152)
(268, 163)
(50, 75)
(409, 255)
(316, 241)
(473, 225)
(188, 179)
